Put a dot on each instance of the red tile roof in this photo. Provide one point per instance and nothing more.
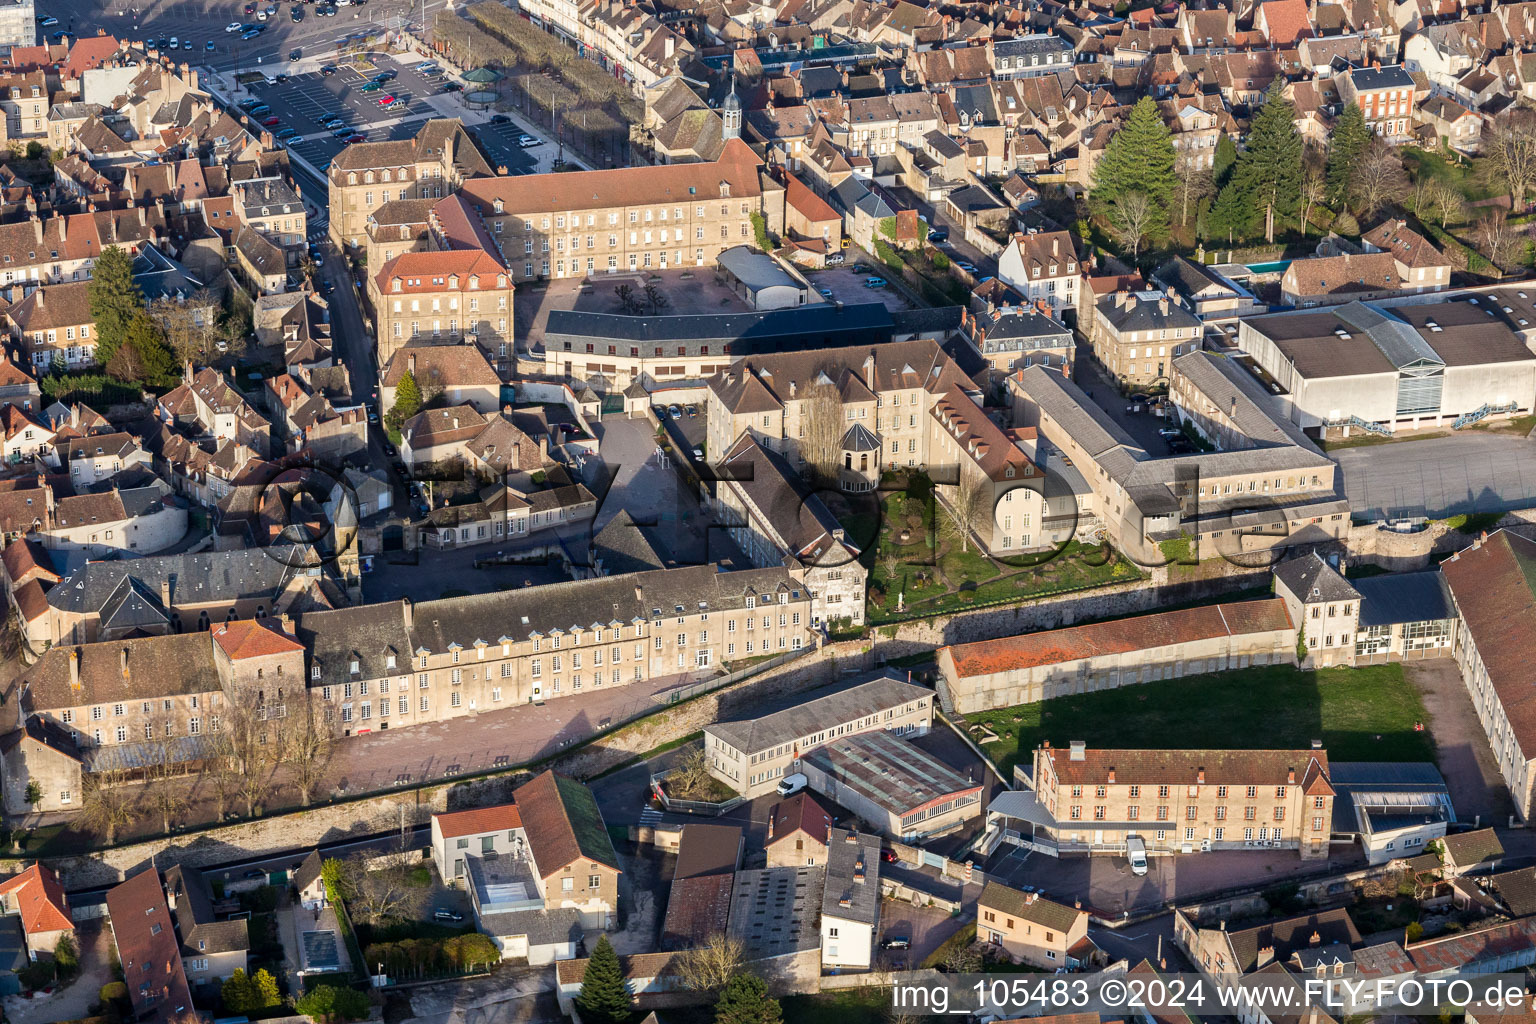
(1287, 21)
(148, 949)
(801, 813)
(1494, 587)
(40, 898)
(623, 186)
(1188, 767)
(1122, 636)
(426, 272)
(253, 638)
(478, 821)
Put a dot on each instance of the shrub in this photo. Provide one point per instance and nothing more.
(1414, 932)
(113, 991)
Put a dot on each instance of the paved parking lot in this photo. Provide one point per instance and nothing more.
(499, 141)
(302, 101)
(850, 288)
(1437, 477)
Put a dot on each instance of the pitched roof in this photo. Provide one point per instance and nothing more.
(563, 823)
(1030, 907)
(40, 900)
(478, 820)
(1469, 848)
(1092, 765)
(708, 850)
(1312, 579)
(1120, 636)
(818, 713)
(1494, 586)
(254, 638)
(623, 186)
(1286, 936)
(148, 949)
(800, 813)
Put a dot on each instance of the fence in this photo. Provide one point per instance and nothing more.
(707, 808)
(692, 690)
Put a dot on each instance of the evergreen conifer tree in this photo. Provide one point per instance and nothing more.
(1348, 143)
(604, 998)
(115, 300)
(1139, 158)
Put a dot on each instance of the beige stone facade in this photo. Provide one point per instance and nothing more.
(1031, 929)
(1183, 801)
(366, 175)
(630, 219)
(443, 297)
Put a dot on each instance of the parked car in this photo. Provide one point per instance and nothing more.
(792, 784)
(969, 268)
(280, 79)
(328, 70)
(698, 453)
(834, 259)
(270, 121)
(452, 87)
(675, 412)
(259, 110)
(1136, 853)
(875, 282)
(233, 26)
(386, 100)
(296, 15)
(938, 237)
(897, 942)
(249, 102)
(825, 293)
(287, 133)
(692, 411)
(294, 55)
(1167, 434)
(528, 142)
(443, 914)
(354, 137)
(386, 76)
(888, 855)
(371, 87)
(249, 34)
(499, 119)
(250, 9)
(212, 46)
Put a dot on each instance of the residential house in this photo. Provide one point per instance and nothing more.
(1031, 929)
(37, 898)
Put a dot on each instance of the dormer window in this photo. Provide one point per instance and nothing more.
(498, 206)
(725, 190)
(394, 284)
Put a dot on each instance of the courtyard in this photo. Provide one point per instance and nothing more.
(918, 565)
(682, 292)
(1368, 713)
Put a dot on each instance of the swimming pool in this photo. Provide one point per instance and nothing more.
(1278, 267)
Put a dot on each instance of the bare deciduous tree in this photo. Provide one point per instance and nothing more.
(1446, 200)
(1378, 179)
(690, 778)
(821, 421)
(1499, 240)
(711, 965)
(966, 505)
(1314, 189)
(1132, 217)
(1510, 145)
(109, 805)
(384, 893)
(305, 744)
(1192, 185)
(963, 960)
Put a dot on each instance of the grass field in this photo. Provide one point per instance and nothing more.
(1360, 714)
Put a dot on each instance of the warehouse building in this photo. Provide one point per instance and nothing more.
(1363, 367)
(893, 784)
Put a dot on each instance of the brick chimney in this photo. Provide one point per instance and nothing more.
(408, 612)
(74, 669)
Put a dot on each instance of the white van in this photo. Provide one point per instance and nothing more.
(792, 784)
(1136, 852)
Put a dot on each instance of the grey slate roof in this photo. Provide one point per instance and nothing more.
(1312, 579)
(201, 933)
(853, 874)
(623, 546)
(754, 734)
(815, 325)
(1390, 77)
(1221, 380)
(773, 910)
(542, 927)
(1024, 46)
(1145, 315)
(195, 578)
(1404, 597)
(369, 633)
(1028, 324)
(587, 604)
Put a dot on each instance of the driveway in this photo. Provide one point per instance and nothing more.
(926, 927)
(1438, 477)
(73, 1002)
(1461, 745)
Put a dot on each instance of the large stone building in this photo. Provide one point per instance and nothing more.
(777, 520)
(753, 756)
(1033, 667)
(1179, 801)
(1269, 489)
(585, 223)
(1137, 335)
(1495, 602)
(430, 165)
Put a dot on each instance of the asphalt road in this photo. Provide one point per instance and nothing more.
(1468, 472)
(203, 21)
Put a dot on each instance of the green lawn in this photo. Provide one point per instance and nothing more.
(1474, 186)
(850, 1006)
(1360, 714)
